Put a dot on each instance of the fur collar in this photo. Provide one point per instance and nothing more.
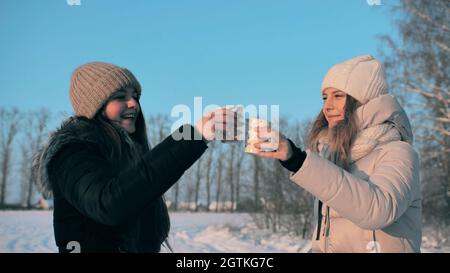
(72, 130)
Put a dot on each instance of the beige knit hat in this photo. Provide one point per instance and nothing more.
(361, 77)
(93, 83)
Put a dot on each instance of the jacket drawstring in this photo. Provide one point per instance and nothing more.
(375, 242)
(326, 228)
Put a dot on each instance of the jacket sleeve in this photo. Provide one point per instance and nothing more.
(371, 204)
(86, 181)
(296, 161)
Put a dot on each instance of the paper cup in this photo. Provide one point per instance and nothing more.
(252, 137)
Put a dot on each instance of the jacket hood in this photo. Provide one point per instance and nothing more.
(384, 109)
(72, 130)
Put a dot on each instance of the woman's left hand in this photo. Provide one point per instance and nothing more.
(217, 122)
(281, 147)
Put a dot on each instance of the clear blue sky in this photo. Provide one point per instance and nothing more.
(227, 51)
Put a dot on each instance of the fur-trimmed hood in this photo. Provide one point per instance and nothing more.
(73, 130)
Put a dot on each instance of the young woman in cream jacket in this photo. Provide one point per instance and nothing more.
(360, 164)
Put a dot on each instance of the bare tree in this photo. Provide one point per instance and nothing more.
(218, 175)
(300, 202)
(9, 124)
(256, 178)
(418, 69)
(209, 166)
(283, 205)
(239, 166)
(274, 177)
(273, 180)
(190, 191)
(26, 184)
(198, 179)
(158, 128)
(176, 195)
(231, 174)
(34, 132)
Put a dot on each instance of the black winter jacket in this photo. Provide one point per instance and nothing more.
(99, 204)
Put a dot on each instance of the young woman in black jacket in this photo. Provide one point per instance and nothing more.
(106, 182)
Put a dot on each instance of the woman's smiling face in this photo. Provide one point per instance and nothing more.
(334, 101)
(123, 108)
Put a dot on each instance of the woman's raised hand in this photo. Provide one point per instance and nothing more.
(273, 141)
(219, 124)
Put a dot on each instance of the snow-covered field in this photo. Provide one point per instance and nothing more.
(32, 231)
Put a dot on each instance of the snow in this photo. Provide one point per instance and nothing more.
(225, 232)
(26, 231)
(32, 231)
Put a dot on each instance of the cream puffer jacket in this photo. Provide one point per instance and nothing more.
(376, 206)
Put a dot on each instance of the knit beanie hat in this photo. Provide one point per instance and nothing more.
(361, 77)
(93, 83)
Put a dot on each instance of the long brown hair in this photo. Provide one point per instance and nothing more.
(121, 149)
(116, 135)
(340, 136)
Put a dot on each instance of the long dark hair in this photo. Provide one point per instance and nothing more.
(116, 134)
(340, 136)
(123, 150)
